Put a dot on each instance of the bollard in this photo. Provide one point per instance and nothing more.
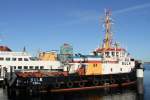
(140, 76)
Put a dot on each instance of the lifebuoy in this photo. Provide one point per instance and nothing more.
(81, 84)
(69, 84)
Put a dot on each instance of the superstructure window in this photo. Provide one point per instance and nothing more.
(19, 67)
(25, 67)
(1, 58)
(129, 63)
(7, 59)
(94, 65)
(31, 67)
(26, 59)
(113, 54)
(36, 67)
(111, 69)
(120, 69)
(41, 67)
(19, 59)
(33, 58)
(14, 67)
(107, 54)
(13, 59)
(117, 54)
(132, 59)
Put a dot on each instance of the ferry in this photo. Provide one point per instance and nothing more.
(11, 61)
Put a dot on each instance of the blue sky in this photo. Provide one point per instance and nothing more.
(47, 24)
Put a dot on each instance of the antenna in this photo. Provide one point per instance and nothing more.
(107, 42)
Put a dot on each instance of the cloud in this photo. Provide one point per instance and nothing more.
(133, 8)
(90, 15)
(82, 16)
(79, 17)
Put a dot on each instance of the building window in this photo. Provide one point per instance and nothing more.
(19, 67)
(19, 59)
(1, 58)
(13, 59)
(7, 59)
(25, 67)
(36, 67)
(26, 59)
(31, 67)
(41, 67)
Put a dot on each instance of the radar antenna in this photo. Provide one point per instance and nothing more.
(107, 42)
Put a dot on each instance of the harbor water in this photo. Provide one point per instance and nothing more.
(116, 94)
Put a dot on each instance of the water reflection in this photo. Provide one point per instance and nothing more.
(85, 95)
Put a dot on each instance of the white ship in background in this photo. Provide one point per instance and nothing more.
(11, 61)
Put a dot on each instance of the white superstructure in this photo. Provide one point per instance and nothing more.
(23, 61)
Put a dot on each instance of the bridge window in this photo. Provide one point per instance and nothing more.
(132, 59)
(7, 59)
(33, 58)
(36, 67)
(26, 59)
(25, 67)
(113, 54)
(19, 59)
(19, 67)
(117, 54)
(107, 54)
(13, 59)
(41, 67)
(31, 67)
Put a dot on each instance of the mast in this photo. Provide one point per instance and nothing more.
(108, 35)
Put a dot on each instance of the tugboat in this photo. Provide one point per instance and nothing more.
(107, 66)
